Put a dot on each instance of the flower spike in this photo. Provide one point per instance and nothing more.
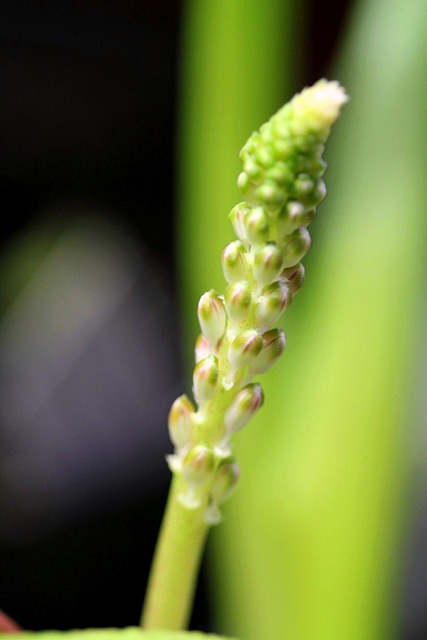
(282, 184)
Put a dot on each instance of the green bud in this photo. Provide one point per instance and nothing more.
(291, 217)
(264, 154)
(253, 170)
(294, 277)
(312, 164)
(273, 347)
(296, 246)
(283, 147)
(281, 174)
(266, 133)
(237, 298)
(179, 421)
(304, 141)
(212, 316)
(234, 261)
(244, 407)
(303, 187)
(257, 226)
(270, 196)
(245, 348)
(309, 217)
(236, 217)
(318, 194)
(273, 301)
(205, 378)
(246, 186)
(198, 464)
(268, 263)
(309, 191)
(226, 478)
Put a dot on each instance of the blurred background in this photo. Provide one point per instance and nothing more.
(107, 115)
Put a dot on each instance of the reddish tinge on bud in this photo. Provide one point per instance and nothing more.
(212, 316)
(234, 262)
(268, 262)
(205, 378)
(226, 478)
(198, 464)
(273, 347)
(245, 348)
(244, 407)
(273, 301)
(296, 246)
(179, 421)
(237, 299)
(294, 277)
(202, 348)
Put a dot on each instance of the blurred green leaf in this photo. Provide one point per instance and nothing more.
(237, 57)
(129, 633)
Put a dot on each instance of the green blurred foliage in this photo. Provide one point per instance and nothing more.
(224, 97)
(312, 543)
(129, 633)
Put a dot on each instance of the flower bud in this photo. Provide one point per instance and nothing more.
(283, 146)
(264, 153)
(245, 185)
(244, 407)
(205, 378)
(272, 349)
(236, 217)
(273, 301)
(253, 170)
(292, 217)
(296, 246)
(270, 196)
(294, 277)
(318, 194)
(202, 348)
(179, 421)
(237, 297)
(234, 262)
(281, 173)
(212, 316)
(257, 226)
(309, 217)
(245, 348)
(226, 478)
(198, 464)
(303, 187)
(312, 164)
(268, 263)
(308, 190)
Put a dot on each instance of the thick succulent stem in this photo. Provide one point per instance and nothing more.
(175, 565)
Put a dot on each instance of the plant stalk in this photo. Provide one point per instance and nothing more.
(176, 562)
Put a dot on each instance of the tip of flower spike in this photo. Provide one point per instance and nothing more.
(321, 103)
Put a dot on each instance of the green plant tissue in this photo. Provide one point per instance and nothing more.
(129, 633)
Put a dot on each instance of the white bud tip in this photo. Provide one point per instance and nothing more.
(174, 462)
(323, 100)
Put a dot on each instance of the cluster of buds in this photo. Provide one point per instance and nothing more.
(282, 184)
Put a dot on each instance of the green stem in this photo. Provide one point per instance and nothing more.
(176, 564)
